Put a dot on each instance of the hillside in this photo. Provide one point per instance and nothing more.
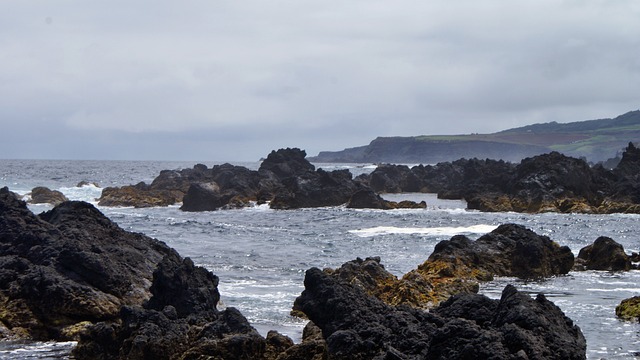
(596, 140)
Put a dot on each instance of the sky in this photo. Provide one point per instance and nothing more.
(233, 80)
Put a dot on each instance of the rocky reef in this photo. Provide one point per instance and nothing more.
(285, 179)
(71, 273)
(545, 183)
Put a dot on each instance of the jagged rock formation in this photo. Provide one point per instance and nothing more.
(546, 183)
(179, 321)
(71, 273)
(358, 326)
(68, 266)
(457, 266)
(285, 179)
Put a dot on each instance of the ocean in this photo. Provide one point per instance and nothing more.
(260, 255)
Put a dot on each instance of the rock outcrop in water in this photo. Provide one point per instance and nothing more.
(44, 195)
(545, 183)
(604, 254)
(358, 326)
(68, 266)
(458, 265)
(179, 321)
(285, 179)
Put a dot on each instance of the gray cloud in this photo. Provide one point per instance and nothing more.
(237, 79)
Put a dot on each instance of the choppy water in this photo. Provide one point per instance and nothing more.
(260, 254)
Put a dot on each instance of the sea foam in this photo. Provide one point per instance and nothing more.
(447, 231)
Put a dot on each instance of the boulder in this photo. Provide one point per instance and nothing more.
(68, 266)
(509, 250)
(44, 195)
(629, 309)
(604, 254)
(358, 326)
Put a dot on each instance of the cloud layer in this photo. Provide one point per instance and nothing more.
(232, 80)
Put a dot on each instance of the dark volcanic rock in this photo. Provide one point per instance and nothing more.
(286, 163)
(509, 250)
(604, 254)
(457, 265)
(44, 195)
(358, 326)
(367, 199)
(315, 189)
(67, 266)
(179, 321)
(285, 179)
(544, 183)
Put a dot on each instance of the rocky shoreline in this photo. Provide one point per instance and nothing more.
(545, 183)
(71, 273)
(287, 180)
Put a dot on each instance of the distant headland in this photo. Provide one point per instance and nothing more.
(594, 140)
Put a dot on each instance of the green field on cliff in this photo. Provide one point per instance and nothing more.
(595, 140)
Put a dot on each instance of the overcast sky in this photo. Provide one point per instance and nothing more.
(232, 80)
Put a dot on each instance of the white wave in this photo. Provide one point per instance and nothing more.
(448, 231)
(89, 193)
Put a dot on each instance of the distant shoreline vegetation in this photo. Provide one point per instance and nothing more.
(594, 140)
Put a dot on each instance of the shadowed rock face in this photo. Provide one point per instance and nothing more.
(179, 321)
(68, 265)
(358, 326)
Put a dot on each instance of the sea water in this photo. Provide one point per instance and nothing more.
(261, 255)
